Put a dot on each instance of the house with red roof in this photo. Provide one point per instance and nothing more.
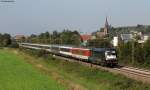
(85, 38)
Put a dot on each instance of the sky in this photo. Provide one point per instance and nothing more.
(36, 16)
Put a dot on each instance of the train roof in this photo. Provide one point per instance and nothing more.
(71, 46)
(35, 44)
(65, 47)
(61, 45)
(81, 48)
(102, 49)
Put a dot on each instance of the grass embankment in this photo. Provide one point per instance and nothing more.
(81, 76)
(16, 74)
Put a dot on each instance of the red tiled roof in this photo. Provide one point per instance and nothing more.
(85, 37)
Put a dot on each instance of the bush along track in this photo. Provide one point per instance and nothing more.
(79, 77)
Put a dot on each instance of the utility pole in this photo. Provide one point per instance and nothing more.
(50, 39)
(132, 51)
(133, 46)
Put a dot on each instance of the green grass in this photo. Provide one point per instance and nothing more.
(15, 74)
(89, 78)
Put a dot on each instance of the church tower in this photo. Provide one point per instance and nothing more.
(106, 28)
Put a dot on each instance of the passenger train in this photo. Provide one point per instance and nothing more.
(100, 56)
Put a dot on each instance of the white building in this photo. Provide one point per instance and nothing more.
(115, 41)
(126, 37)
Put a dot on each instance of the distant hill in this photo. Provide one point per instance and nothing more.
(145, 29)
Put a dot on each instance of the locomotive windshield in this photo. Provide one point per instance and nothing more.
(110, 55)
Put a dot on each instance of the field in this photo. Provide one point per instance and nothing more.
(30, 70)
(15, 74)
(80, 77)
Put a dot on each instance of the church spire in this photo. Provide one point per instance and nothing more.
(106, 28)
(106, 23)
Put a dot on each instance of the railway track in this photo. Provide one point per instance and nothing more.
(135, 73)
(138, 74)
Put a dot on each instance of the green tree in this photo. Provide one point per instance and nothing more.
(5, 39)
(70, 37)
(146, 50)
(125, 52)
(102, 43)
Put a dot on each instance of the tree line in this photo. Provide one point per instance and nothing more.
(66, 37)
(145, 29)
(134, 53)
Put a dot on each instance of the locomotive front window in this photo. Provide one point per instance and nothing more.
(111, 53)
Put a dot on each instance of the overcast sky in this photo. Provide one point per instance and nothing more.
(36, 16)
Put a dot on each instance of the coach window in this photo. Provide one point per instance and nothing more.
(75, 51)
(81, 52)
(46, 47)
(55, 48)
(65, 49)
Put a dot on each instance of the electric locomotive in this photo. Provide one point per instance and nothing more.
(103, 56)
